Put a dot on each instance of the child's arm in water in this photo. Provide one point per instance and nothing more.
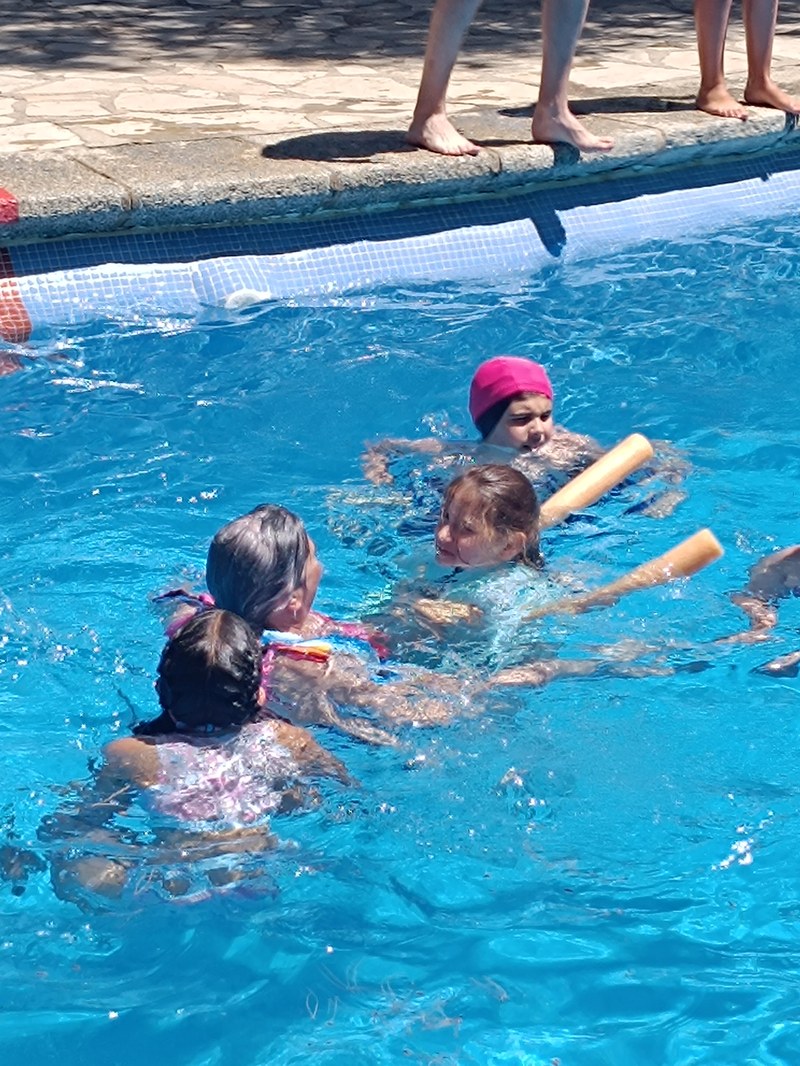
(417, 611)
(572, 453)
(83, 824)
(422, 698)
(309, 755)
(314, 693)
(666, 474)
(311, 693)
(379, 454)
(566, 451)
(773, 578)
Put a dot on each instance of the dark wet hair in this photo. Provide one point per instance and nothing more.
(505, 503)
(256, 561)
(489, 419)
(209, 676)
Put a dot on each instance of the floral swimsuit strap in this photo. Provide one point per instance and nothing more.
(358, 632)
(194, 599)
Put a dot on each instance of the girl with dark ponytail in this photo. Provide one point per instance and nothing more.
(213, 767)
(209, 677)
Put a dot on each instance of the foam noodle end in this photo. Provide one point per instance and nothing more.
(598, 479)
(692, 554)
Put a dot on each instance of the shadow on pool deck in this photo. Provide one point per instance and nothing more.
(39, 32)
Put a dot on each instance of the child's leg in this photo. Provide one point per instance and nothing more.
(783, 666)
(430, 127)
(98, 875)
(760, 17)
(711, 22)
(538, 674)
(553, 122)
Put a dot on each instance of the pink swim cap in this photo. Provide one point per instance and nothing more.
(504, 376)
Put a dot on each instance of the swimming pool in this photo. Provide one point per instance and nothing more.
(599, 872)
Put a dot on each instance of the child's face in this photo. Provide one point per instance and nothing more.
(464, 539)
(296, 609)
(526, 425)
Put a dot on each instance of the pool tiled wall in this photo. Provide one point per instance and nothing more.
(133, 275)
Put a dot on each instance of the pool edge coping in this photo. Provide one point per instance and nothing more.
(236, 180)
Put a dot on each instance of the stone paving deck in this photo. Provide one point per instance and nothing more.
(169, 112)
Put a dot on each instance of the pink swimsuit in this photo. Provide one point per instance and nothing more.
(230, 783)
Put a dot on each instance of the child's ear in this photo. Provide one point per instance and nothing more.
(515, 546)
(294, 602)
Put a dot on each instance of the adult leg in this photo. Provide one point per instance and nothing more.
(711, 23)
(760, 17)
(562, 22)
(430, 127)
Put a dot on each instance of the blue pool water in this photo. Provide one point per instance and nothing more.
(599, 872)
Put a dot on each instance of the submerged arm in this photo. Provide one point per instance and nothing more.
(375, 460)
(83, 820)
(308, 694)
(408, 698)
(310, 755)
(772, 578)
(666, 474)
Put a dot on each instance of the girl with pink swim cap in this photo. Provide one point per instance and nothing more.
(511, 404)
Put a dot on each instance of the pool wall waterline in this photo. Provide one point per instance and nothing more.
(184, 273)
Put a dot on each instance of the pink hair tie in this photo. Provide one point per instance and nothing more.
(200, 601)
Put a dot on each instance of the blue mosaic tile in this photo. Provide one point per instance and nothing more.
(542, 207)
(75, 296)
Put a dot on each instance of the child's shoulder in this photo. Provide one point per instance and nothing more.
(565, 455)
(132, 759)
(576, 445)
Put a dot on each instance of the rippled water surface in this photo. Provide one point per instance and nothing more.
(599, 872)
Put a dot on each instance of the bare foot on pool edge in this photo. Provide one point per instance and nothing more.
(769, 94)
(718, 101)
(564, 128)
(438, 134)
